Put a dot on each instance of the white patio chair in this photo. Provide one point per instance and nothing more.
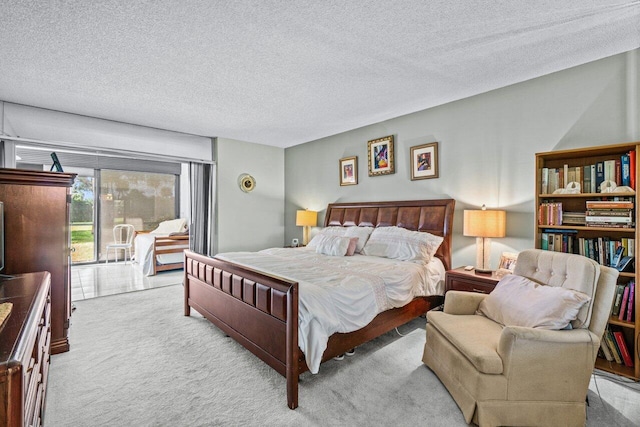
(122, 240)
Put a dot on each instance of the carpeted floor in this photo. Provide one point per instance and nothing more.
(135, 360)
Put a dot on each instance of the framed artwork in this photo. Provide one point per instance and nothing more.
(424, 161)
(381, 156)
(349, 171)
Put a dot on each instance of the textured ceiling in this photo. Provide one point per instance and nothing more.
(287, 72)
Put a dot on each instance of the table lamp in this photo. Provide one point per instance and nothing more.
(306, 219)
(483, 225)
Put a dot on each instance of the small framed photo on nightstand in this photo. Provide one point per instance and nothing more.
(507, 264)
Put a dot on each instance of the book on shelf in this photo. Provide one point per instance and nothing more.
(617, 300)
(623, 304)
(611, 342)
(609, 212)
(625, 178)
(609, 219)
(605, 350)
(574, 218)
(544, 181)
(631, 302)
(632, 169)
(599, 175)
(608, 204)
(622, 347)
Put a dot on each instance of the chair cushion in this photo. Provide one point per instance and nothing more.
(564, 270)
(518, 301)
(476, 337)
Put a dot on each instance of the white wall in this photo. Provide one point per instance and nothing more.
(255, 220)
(486, 149)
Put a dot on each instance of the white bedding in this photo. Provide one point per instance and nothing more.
(342, 294)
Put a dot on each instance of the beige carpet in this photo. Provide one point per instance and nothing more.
(135, 360)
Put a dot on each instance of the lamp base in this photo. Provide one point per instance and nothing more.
(483, 271)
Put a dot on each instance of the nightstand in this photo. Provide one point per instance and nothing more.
(460, 279)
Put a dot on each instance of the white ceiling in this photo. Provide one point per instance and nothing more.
(282, 72)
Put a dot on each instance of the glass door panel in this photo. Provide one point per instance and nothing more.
(142, 199)
(83, 236)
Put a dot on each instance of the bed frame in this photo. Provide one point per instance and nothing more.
(168, 245)
(260, 311)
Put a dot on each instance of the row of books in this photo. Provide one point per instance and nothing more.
(620, 170)
(624, 301)
(550, 213)
(614, 348)
(609, 213)
(598, 213)
(599, 249)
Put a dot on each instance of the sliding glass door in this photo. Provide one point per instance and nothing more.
(83, 236)
(142, 199)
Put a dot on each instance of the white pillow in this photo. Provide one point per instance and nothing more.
(362, 233)
(171, 226)
(333, 245)
(518, 301)
(400, 243)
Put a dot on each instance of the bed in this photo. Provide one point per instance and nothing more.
(262, 310)
(162, 249)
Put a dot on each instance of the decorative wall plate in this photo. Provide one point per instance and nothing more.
(246, 182)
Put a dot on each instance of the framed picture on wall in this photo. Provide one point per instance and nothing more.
(380, 155)
(424, 161)
(349, 171)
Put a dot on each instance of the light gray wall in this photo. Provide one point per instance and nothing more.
(486, 147)
(255, 220)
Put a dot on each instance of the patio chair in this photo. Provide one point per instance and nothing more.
(122, 240)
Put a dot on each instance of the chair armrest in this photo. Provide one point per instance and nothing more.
(533, 359)
(461, 302)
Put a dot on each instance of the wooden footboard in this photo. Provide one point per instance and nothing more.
(260, 311)
(168, 245)
(257, 310)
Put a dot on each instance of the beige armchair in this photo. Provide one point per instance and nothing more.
(514, 375)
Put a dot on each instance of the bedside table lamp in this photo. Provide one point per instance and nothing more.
(306, 219)
(483, 225)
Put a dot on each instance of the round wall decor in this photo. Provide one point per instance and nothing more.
(246, 182)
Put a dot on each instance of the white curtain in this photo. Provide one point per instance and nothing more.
(202, 229)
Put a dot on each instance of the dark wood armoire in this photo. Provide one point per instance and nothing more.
(37, 237)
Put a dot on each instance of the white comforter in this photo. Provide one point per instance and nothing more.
(342, 294)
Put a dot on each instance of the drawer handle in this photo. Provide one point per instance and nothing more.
(479, 290)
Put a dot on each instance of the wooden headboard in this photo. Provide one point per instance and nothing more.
(433, 216)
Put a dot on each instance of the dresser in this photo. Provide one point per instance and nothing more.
(25, 339)
(38, 237)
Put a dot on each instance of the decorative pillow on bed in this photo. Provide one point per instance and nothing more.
(333, 245)
(518, 301)
(362, 233)
(402, 244)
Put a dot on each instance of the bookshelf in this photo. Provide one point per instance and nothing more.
(594, 239)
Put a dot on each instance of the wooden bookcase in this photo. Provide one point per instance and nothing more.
(577, 203)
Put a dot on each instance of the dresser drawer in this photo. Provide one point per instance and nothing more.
(464, 280)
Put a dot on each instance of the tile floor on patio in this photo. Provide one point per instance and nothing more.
(96, 280)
